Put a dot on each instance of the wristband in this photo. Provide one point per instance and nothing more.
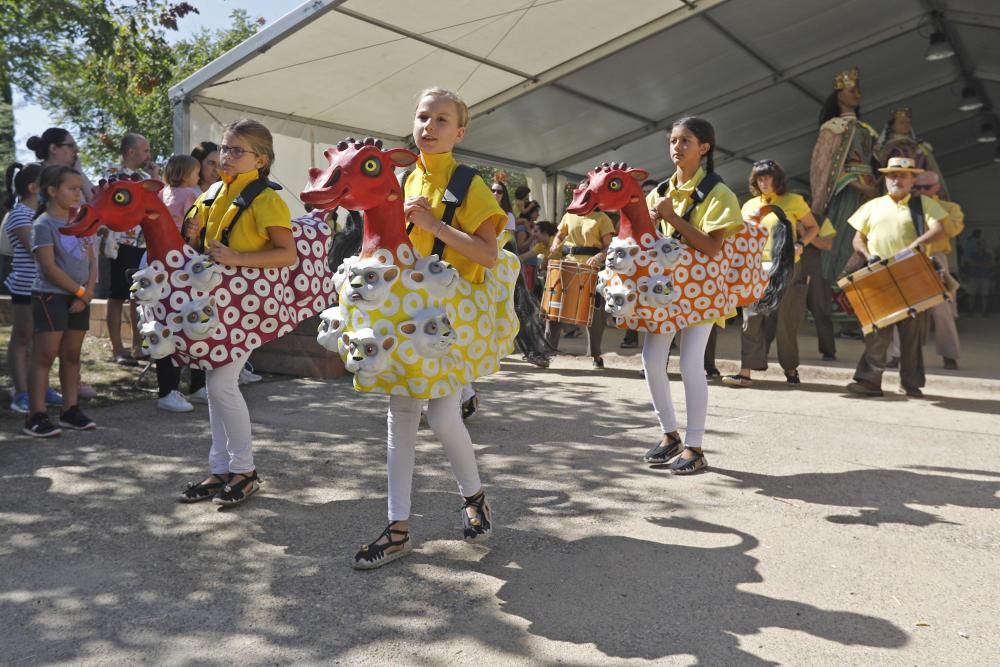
(80, 291)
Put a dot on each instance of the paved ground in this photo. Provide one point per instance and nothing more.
(830, 530)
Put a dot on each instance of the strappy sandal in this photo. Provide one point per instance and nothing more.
(682, 466)
(663, 452)
(470, 407)
(195, 493)
(479, 527)
(737, 381)
(234, 494)
(792, 377)
(374, 555)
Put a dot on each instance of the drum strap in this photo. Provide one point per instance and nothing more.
(917, 213)
(581, 250)
(458, 186)
(698, 196)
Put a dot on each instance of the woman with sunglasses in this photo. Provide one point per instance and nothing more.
(772, 200)
(56, 147)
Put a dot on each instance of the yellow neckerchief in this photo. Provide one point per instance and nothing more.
(233, 186)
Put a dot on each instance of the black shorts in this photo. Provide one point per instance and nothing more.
(20, 299)
(51, 313)
(122, 268)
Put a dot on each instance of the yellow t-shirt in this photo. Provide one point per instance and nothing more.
(430, 179)
(887, 224)
(250, 232)
(586, 231)
(826, 230)
(953, 226)
(720, 210)
(793, 205)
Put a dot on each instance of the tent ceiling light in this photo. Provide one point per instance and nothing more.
(939, 48)
(970, 101)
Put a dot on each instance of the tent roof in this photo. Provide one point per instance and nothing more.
(562, 85)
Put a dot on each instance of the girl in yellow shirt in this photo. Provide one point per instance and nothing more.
(262, 238)
(769, 185)
(704, 227)
(440, 122)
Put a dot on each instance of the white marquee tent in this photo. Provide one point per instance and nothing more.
(557, 86)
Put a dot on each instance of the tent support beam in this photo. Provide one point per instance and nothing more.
(305, 122)
(760, 85)
(609, 48)
(755, 56)
(416, 36)
(287, 25)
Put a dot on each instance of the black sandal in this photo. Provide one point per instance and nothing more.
(682, 466)
(792, 377)
(373, 555)
(195, 493)
(662, 453)
(479, 527)
(471, 406)
(234, 494)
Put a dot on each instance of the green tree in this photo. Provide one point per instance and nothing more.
(103, 67)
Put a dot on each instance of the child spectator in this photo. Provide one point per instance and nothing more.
(61, 295)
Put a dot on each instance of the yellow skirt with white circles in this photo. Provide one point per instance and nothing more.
(431, 344)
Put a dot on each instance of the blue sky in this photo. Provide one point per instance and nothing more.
(32, 119)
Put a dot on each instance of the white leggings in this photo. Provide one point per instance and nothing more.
(444, 416)
(655, 351)
(230, 421)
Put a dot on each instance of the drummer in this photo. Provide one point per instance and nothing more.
(587, 238)
(885, 228)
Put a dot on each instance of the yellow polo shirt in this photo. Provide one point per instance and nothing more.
(430, 179)
(887, 224)
(250, 232)
(586, 231)
(794, 206)
(953, 226)
(720, 210)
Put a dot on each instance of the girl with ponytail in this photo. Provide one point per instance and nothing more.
(22, 197)
(703, 227)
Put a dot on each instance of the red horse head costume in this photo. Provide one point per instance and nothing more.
(361, 177)
(194, 310)
(659, 284)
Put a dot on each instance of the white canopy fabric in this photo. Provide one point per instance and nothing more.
(557, 86)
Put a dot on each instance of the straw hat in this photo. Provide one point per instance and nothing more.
(898, 164)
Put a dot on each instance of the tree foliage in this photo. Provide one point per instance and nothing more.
(103, 67)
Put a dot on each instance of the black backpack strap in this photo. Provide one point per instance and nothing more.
(917, 214)
(698, 196)
(242, 203)
(701, 192)
(454, 195)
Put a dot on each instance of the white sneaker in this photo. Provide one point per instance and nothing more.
(174, 402)
(200, 396)
(247, 376)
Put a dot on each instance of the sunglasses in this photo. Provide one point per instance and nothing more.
(497, 191)
(235, 151)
